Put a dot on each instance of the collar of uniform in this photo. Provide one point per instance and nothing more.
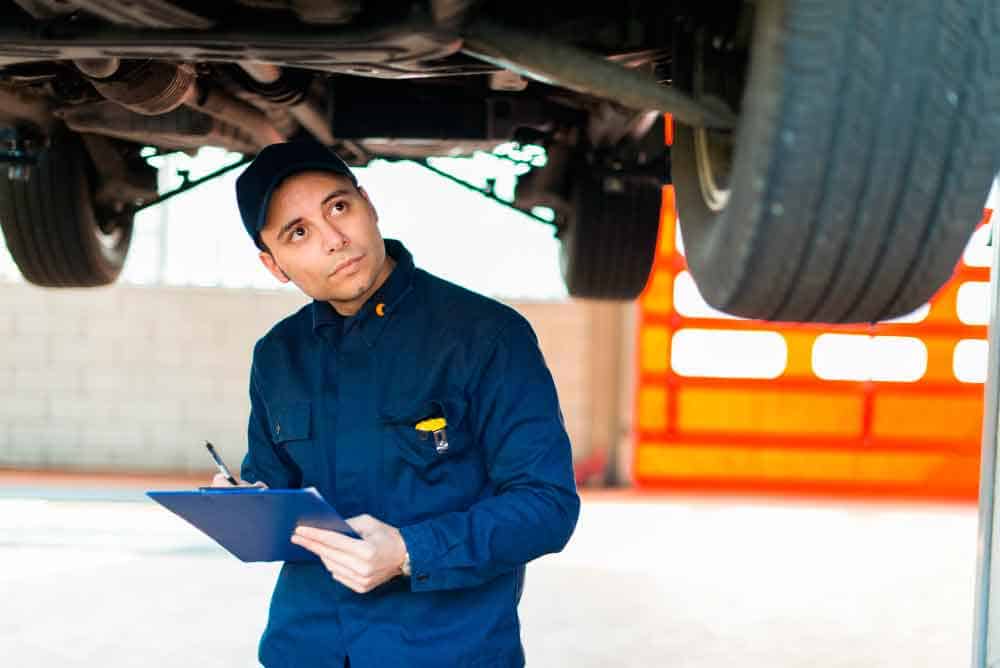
(324, 317)
(399, 283)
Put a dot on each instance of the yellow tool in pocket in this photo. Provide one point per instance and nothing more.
(436, 427)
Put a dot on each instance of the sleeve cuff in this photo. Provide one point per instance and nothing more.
(422, 546)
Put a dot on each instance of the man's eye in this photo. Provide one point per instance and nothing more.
(298, 232)
(338, 207)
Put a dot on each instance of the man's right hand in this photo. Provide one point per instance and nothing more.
(219, 480)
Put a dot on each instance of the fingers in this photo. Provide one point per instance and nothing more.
(337, 541)
(351, 580)
(360, 565)
(356, 566)
(219, 480)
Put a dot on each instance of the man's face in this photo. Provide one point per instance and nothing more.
(323, 236)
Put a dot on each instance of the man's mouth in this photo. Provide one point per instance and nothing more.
(345, 264)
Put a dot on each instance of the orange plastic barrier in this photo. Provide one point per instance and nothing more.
(797, 432)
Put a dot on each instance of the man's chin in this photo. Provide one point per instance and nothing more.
(347, 293)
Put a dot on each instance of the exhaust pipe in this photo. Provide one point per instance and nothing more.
(154, 88)
(305, 112)
(225, 108)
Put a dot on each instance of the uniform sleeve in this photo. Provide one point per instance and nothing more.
(262, 462)
(535, 507)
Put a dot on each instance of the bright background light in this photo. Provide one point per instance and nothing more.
(197, 239)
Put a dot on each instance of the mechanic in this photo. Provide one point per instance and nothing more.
(422, 411)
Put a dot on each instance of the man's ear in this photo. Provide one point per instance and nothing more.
(272, 266)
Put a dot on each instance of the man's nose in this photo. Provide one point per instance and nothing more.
(333, 238)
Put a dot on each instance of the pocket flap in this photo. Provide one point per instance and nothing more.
(290, 420)
(407, 412)
(420, 448)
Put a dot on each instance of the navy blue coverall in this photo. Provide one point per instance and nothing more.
(334, 402)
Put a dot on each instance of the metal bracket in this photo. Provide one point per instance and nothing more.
(487, 192)
(187, 183)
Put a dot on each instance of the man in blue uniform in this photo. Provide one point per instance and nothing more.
(422, 411)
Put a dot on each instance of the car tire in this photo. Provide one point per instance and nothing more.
(49, 221)
(867, 141)
(608, 246)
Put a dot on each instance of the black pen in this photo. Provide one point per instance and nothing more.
(223, 469)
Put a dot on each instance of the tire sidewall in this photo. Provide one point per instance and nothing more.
(105, 251)
(716, 242)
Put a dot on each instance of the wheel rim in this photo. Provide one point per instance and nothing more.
(110, 241)
(713, 169)
(713, 148)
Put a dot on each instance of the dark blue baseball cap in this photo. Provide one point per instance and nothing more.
(274, 164)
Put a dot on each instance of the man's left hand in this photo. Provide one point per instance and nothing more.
(360, 565)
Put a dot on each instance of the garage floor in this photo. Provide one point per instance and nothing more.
(93, 575)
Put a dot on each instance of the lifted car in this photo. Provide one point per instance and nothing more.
(830, 159)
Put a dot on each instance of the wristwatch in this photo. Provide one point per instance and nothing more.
(406, 565)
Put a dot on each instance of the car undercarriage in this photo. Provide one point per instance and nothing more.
(768, 99)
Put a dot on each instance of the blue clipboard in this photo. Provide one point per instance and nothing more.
(252, 523)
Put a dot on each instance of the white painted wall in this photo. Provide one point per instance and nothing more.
(133, 378)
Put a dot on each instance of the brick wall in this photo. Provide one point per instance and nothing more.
(134, 379)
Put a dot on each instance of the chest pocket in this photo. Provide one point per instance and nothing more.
(431, 454)
(290, 421)
(290, 426)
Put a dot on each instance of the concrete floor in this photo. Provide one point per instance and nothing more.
(101, 577)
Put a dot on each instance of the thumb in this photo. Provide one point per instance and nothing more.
(363, 524)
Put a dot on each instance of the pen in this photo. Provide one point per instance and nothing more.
(221, 465)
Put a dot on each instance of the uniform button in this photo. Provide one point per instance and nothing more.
(421, 578)
(380, 309)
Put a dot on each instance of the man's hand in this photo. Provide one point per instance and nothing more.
(219, 480)
(359, 565)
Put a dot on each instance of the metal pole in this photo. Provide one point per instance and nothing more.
(986, 626)
(485, 193)
(552, 62)
(187, 184)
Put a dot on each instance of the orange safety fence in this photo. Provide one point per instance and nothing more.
(818, 409)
